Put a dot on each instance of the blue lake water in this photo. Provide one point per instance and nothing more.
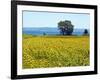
(49, 31)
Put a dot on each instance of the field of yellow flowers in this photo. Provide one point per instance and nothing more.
(55, 51)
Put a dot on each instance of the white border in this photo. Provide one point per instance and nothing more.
(21, 71)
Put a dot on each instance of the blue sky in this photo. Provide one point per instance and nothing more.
(50, 19)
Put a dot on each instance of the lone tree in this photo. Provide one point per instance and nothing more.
(65, 27)
(44, 33)
(85, 32)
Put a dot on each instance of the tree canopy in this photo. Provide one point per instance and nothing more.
(85, 32)
(65, 27)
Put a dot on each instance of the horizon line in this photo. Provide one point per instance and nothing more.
(52, 27)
